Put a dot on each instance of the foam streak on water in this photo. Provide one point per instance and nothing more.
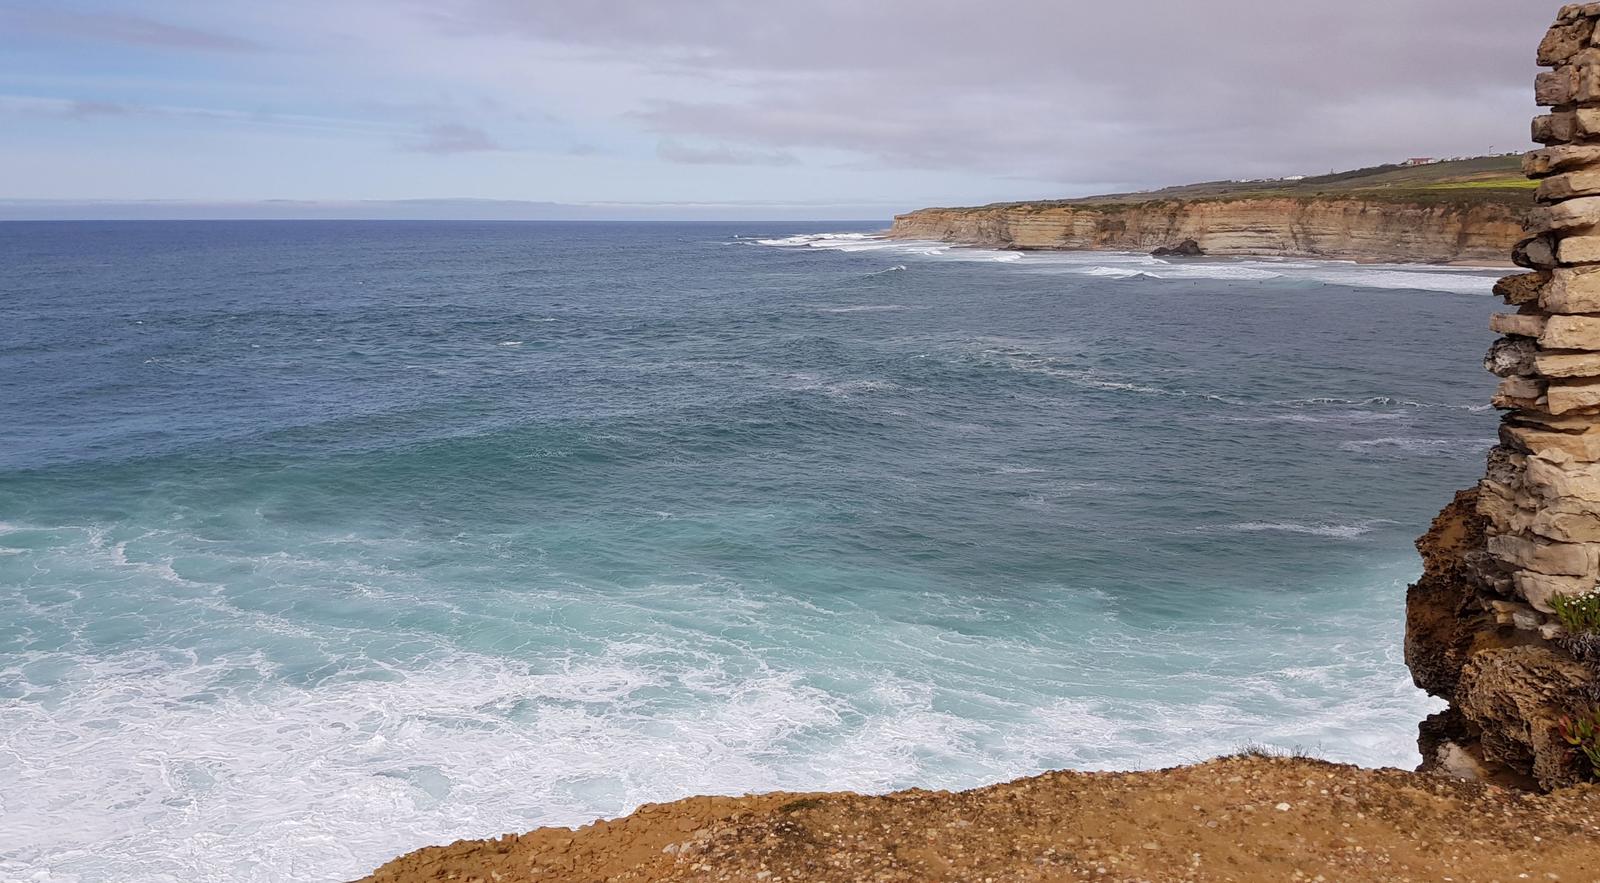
(321, 542)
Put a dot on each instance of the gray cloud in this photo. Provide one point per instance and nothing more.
(451, 138)
(1134, 94)
(720, 155)
(134, 30)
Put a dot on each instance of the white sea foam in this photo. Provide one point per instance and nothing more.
(1124, 265)
(1337, 531)
(864, 308)
(1442, 446)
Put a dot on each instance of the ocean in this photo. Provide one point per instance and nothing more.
(325, 541)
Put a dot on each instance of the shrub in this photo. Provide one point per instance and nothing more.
(1583, 734)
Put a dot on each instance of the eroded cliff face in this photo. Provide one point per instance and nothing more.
(1505, 622)
(1335, 227)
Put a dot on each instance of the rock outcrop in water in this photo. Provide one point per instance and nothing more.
(1505, 622)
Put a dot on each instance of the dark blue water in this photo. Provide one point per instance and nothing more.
(323, 541)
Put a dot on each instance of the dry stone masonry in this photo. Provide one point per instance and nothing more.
(1493, 624)
(1541, 496)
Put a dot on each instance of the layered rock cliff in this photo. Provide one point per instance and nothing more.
(1344, 227)
(1505, 622)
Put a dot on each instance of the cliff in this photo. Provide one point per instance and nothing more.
(1338, 228)
(1468, 211)
(1246, 818)
(1505, 622)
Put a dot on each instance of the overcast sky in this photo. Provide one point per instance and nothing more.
(705, 108)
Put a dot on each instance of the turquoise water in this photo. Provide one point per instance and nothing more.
(323, 541)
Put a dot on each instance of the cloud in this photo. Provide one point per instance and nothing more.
(1153, 92)
(449, 138)
(720, 155)
(133, 30)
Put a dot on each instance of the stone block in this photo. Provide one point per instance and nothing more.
(1570, 487)
(1520, 324)
(1518, 386)
(1564, 41)
(1564, 527)
(1554, 160)
(1559, 447)
(1554, 128)
(1524, 288)
(1574, 11)
(1551, 559)
(1555, 88)
(1573, 214)
(1538, 588)
(1557, 364)
(1569, 185)
(1571, 290)
(1535, 253)
(1564, 332)
(1563, 396)
(1512, 355)
(1506, 468)
(1578, 250)
(1545, 420)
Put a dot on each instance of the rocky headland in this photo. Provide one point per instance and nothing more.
(1504, 623)
(1468, 211)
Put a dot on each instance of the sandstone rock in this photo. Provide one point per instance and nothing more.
(1519, 324)
(1563, 396)
(1539, 588)
(1514, 696)
(1523, 288)
(1578, 250)
(1554, 559)
(1559, 187)
(1553, 422)
(1505, 466)
(1185, 249)
(1564, 41)
(1558, 482)
(1554, 88)
(1548, 364)
(1565, 527)
(1554, 128)
(1512, 355)
(1442, 616)
(1552, 160)
(1564, 332)
(1519, 386)
(1572, 290)
(1559, 447)
(1574, 11)
(1535, 253)
(1573, 214)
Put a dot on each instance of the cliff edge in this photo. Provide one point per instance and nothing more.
(1468, 211)
(1245, 818)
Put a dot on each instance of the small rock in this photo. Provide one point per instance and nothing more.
(1185, 249)
(1283, 807)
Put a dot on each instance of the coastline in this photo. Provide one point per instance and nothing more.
(1245, 817)
(1337, 228)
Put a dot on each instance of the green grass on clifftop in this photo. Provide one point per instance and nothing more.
(1477, 181)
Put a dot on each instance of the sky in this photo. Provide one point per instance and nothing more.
(830, 109)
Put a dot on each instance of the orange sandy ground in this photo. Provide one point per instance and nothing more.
(1236, 819)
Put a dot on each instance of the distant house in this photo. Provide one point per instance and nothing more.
(1420, 161)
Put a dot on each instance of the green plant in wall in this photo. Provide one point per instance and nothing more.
(1578, 614)
(1582, 732)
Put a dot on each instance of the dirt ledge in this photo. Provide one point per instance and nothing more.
(1235, 819)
